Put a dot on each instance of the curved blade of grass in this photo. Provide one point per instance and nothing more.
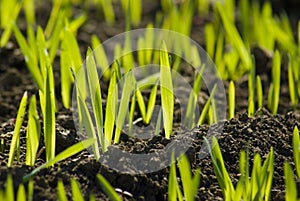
(206, 107)
(9, 189)
(74, 149)
(190, 183)
(219, 166)
(95, 95)
(292, 88)
(21, 194)
(276, 68)
(101, 57)
(290, 184)
(48, 104)
(33, 133)
(9, 27)
(30, 190)
(107, 188)
(76, 193)
(166, 88)
(15, 142)
(234, 37)
(151, 103)
(61, 193)
(30, 59)
(111, 107)
(193, 98)
(141, 104)
(259, 92)
(296, 150)
(231, 99)
(129, 86)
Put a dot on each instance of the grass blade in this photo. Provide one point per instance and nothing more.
(107, 188)
(76, 193)
(15, 142)
(61, 193)
(259, 92)
(111, 108)
(9, 190)
(21, 194)
(74, 149)
(166, 88)
(129, 86)
(290, 184)
(296, 150)
(33, 133)
(206, 107)
(231, 99)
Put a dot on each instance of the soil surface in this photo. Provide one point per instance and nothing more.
(257, 134)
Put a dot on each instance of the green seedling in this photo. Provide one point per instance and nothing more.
(274, 91)
(234, 37)
(108, 10)
(76, 193)
(203, 7)
(256, 187)
(244, 8)
(15, 142)
(95, 95)
(290, 184)
(210, 38)
(111, 108)
(259, 92)
(47, 101)
(70, 58)
(206, 108)
(33, 133)
(129, 86)
(107, 188)
(296, 150)
(166, 88)
(61, 193)
(74, 149)
(135, 15)
(190, 183)
(9, 13)
(193, 100)
(231, 100)
(101, 57)
(292, 87)
(251, 89)
(29, 10)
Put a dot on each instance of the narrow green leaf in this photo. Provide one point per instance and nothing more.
(129, 86)
(290, 184)
(296, 150)
(206, 107)
(61, 193)
(95, 95)
(33, 133)
(9, 189)
(21, 194)
(74, 149)
(107, 188)
(30, 190)
(292, 88)
(259, 92)
(111, 108)
(30, 60)
(141, 104)
(49, 114)
(172, 182)
(76, 193)
(15, 142)
(231, 99)
(276, 68)
(166, 88)
(151, 103)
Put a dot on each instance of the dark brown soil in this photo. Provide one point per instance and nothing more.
(257, 134)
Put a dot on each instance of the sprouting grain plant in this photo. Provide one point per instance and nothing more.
(166, 88)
